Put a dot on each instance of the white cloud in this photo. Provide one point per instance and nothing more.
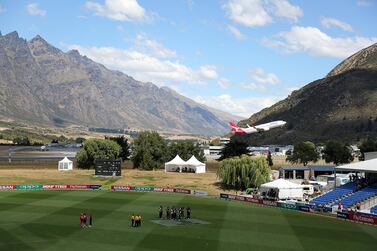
(330, 22)
(247, 12)
(150, 46)
(34, 10)
(121, 10)
(146, 67)
(208, 72)
(283, 8)
(2, 9)
(364, 3)
(236, 32)
(243, 107)
(263, 77)
(253, 87)
(313, 41)
(260, 12)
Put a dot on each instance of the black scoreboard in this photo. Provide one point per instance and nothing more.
(108, 168)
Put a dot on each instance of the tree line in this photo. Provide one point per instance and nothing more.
(149, 151)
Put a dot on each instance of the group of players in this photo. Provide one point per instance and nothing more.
(174, 213)
(84, 220)
(135, 220)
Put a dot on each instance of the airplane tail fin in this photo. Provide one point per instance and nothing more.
(232, 124)
(235, 128)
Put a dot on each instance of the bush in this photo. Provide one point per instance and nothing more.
(185, 149)
(97, 149)
(149, 151)
(244, 172)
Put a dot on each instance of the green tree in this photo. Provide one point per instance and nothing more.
(234, 148)
(97, 149)
(368, 145)
(303, 152)
(244, 172)
(269, 159)
(79, 140)
(123, 143)
(21, 140)
(185, 149)
(149, 151)
(337, 153)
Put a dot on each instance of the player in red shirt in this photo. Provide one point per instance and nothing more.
(82, 220)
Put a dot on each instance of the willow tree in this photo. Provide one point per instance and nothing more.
(244, 172)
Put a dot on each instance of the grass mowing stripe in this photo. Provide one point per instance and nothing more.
(23, 230)
(112, 204)
(336, 235)
(52, 224)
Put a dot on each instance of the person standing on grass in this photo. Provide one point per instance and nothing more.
(188, 213)
(139, 220)
(133, 220)
(179, 213)
(90, 220)
(167, 213)
(82, 220)
(160, 210)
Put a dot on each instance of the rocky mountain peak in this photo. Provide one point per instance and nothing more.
(67, 88)
(12, 35)
(364, 59)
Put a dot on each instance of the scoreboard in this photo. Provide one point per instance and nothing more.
(108, 168)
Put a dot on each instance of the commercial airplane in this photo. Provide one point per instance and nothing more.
(257, 128)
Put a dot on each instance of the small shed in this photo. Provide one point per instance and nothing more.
(65, 165)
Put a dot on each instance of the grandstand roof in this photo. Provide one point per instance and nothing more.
(314, 168)
(369, 166)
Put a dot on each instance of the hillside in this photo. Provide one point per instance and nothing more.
(340, 106)
(40, 84)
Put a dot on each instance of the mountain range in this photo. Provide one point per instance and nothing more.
(42, 85)
(340, 106)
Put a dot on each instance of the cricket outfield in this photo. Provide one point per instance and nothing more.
(49, 220)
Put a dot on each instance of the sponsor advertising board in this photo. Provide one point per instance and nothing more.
(121, 188)
(7, 187)
(150, 189)
(288, 205)
(199, 193)
(364, 218)
(29, 187)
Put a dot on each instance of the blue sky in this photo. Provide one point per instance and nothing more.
(235, 55)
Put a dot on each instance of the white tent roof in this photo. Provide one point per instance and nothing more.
(65, 160)
(194, 162)
(281, 184)
(176, 161)
(362, 166)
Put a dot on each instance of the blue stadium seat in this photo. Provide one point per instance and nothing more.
(359, 196)
(373, 210)
(334, 195)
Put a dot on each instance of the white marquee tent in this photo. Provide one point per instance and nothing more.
(175, 164)
(198, 166)
(65, 165)
(282, 189)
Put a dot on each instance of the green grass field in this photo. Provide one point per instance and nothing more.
(49, 220)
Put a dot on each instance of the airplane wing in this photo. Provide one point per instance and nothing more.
(262, 128)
